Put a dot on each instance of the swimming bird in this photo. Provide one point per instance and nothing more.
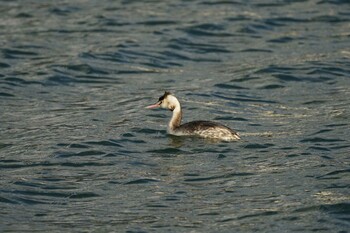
(205, 129)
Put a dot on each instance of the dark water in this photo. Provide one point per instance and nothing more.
(80, 153)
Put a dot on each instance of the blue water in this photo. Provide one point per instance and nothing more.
(80, 153)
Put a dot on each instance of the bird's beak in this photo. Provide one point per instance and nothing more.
(157, 105)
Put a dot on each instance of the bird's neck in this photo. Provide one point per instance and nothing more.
(175, 120)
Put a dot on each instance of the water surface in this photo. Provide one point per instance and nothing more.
(80, 153)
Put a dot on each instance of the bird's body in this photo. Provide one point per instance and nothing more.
(205, 129)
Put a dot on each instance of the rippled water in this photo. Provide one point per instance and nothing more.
(80, 153)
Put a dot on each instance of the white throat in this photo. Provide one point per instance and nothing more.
(175, 120)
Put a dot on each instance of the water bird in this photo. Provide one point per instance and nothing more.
(205, 129)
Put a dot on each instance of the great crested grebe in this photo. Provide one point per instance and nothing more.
(206, 129)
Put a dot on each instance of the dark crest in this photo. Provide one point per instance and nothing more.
(166, 93)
